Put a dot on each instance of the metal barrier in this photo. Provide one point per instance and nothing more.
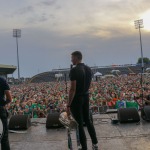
(99, 109)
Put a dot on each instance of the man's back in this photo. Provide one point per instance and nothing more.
(83, 75)
(88, 78)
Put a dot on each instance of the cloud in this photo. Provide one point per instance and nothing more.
(51, 30)
(49, 3)
(24, 11)
(37, 19)
(98, 17)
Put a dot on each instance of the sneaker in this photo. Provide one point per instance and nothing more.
(95, 147)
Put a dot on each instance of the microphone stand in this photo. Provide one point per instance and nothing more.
(142, 96)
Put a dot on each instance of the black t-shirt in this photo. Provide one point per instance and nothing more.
(3, 87)
(83, 76)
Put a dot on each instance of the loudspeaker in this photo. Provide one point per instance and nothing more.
(53, 121)
(128, 115)
(145, 113)
(19, 122)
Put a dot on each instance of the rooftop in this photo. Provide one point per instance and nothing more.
(7, 69)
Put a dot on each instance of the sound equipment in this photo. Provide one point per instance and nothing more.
(53, 121)
(19, 122)
(145, 113)
(128, 115)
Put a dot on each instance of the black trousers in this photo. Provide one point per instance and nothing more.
(80, 111)
(4, 141)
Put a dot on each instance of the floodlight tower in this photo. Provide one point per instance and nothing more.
(17, 34)
(139, 25)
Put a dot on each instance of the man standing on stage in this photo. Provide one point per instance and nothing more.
(5, 98)
(78, 104)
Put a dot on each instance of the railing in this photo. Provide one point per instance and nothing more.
(99, 109)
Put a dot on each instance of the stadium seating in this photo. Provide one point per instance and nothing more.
(50, 76)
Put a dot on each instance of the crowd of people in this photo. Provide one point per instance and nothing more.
(39, 99)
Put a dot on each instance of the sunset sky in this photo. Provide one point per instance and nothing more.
(51, 29)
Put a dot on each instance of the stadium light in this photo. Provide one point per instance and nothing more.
(17, 34)
(138, 25)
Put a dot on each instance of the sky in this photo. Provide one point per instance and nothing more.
(103, 30)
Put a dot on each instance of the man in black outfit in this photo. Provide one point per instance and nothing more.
(78, 104)
(5, 98)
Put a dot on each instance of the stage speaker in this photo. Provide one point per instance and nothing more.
(19, 122)
(145, 113)
(53, 121)
(128, 115)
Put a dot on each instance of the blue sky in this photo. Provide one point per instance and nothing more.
(51, 29)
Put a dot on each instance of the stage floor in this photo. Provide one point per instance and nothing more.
(110, 137)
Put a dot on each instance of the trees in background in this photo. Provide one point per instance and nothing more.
(146, 60)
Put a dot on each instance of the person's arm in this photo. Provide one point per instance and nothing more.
(71, 92)
(72, 86)
(8, 96)
(7, 92)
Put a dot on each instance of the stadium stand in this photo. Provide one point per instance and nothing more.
(124, 69)
(6, 69)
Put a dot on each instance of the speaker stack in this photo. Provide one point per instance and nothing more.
(19, 122)
(128, 115)
(53, 121)
(145, 113)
